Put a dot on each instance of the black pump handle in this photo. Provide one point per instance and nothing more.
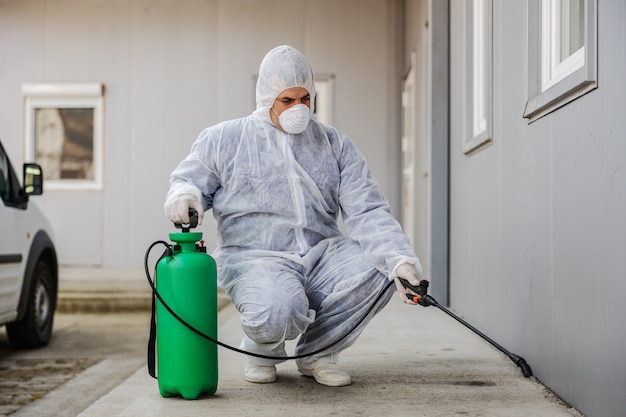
(193, 221)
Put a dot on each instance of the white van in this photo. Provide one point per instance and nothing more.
(28, 260)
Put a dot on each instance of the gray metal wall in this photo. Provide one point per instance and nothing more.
(426, 38)
(538, 219)
(170, 69)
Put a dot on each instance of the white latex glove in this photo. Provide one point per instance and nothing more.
(408, 272)
(177, 208)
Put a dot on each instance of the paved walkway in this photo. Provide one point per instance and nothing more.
(410, 361)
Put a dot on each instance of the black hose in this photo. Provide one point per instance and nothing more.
(217, 342)
(426, 300)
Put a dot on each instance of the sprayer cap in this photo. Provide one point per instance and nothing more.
(185, 237)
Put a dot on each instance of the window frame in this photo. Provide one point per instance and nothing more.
(479, 75)
(324, 110)
(66, 96)
(577, 74)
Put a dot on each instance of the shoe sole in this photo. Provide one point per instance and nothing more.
(260, 381)
(309, 373)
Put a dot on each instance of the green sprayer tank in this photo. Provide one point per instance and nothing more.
(186, 279)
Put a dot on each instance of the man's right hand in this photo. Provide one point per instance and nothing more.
(408, 272)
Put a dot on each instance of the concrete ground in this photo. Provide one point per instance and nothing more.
(410, 361)
(88, 356)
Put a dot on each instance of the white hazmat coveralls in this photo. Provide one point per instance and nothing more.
(276, 197)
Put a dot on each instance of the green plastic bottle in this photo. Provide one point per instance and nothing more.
(187, 282)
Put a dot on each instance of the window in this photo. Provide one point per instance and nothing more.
(11, 193)
(561, 53)
(64, 133)
(324, 99)
(409, 152)
(479, 76)
(5, 176)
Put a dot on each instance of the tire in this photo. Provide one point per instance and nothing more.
(35, 328)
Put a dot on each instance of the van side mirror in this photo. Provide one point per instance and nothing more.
(33, 179)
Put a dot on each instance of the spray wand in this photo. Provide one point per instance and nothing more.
(422, 298)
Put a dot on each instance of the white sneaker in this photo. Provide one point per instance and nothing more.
(259, 374)
(328, 374)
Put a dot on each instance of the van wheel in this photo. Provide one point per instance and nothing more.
(35, 328)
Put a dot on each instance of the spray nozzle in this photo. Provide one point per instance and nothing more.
(193, 221)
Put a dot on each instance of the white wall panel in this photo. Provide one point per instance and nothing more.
(172, 68)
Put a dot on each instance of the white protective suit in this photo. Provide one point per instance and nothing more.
(276, 198)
